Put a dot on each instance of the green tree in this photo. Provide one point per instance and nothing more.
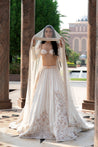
(46, 13)
(70, 54)
(73, 57)
(15, 28)
(65, 34)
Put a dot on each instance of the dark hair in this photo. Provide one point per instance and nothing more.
(54, 43)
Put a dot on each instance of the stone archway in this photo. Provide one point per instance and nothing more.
(96, 82)
(91, 52)
(27, 31)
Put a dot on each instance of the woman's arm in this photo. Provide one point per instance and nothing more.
(34, 41)
(62, 41)
(35, 50)
(60, 47)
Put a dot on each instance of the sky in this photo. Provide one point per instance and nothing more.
(72, 9)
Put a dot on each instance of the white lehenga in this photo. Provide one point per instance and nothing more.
(49, 111)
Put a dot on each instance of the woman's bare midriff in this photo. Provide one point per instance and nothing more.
(49, 60)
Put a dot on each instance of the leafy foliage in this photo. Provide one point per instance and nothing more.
(46, 13)
(73, 57)
(15, 28)
(70, 54)
(71, 64)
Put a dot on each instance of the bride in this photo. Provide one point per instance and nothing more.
(49, 111)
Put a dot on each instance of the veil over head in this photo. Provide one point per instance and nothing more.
(35, 66)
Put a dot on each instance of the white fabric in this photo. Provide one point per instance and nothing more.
(49, 110)
(43, 51)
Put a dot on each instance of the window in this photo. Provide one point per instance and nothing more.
(84, 28)
(76, 28)
(83, 44)
(80, 28)
(76, 45)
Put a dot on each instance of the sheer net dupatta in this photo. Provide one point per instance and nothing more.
(74, 118)
(35, 66)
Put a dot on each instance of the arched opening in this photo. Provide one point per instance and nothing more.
(76, 45)
(84, 45)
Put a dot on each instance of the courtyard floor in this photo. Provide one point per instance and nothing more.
(9, 137)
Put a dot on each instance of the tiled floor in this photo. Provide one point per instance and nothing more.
(7, 116)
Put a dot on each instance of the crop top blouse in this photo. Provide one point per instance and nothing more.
(43, 51)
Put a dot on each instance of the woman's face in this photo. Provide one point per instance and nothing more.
(48, 33)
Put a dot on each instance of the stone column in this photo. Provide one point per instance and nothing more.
(96, 82)
(4, 55)
(27, 31)
(89, 103)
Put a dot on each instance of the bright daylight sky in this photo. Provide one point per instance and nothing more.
(73, 9)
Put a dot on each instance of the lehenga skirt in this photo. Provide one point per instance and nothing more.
(48, 115)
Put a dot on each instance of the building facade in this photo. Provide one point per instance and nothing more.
(78, 36)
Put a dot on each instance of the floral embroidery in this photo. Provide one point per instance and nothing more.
(62, 130)
(40, 128)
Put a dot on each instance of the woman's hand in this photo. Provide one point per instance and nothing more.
(34, 41)
(62, 41)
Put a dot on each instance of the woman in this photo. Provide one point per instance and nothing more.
(49, 112)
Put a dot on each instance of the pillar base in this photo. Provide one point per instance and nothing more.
(88, 104)
(5, 104)
(21, 102)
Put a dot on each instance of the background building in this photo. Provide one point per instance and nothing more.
(78, 35)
